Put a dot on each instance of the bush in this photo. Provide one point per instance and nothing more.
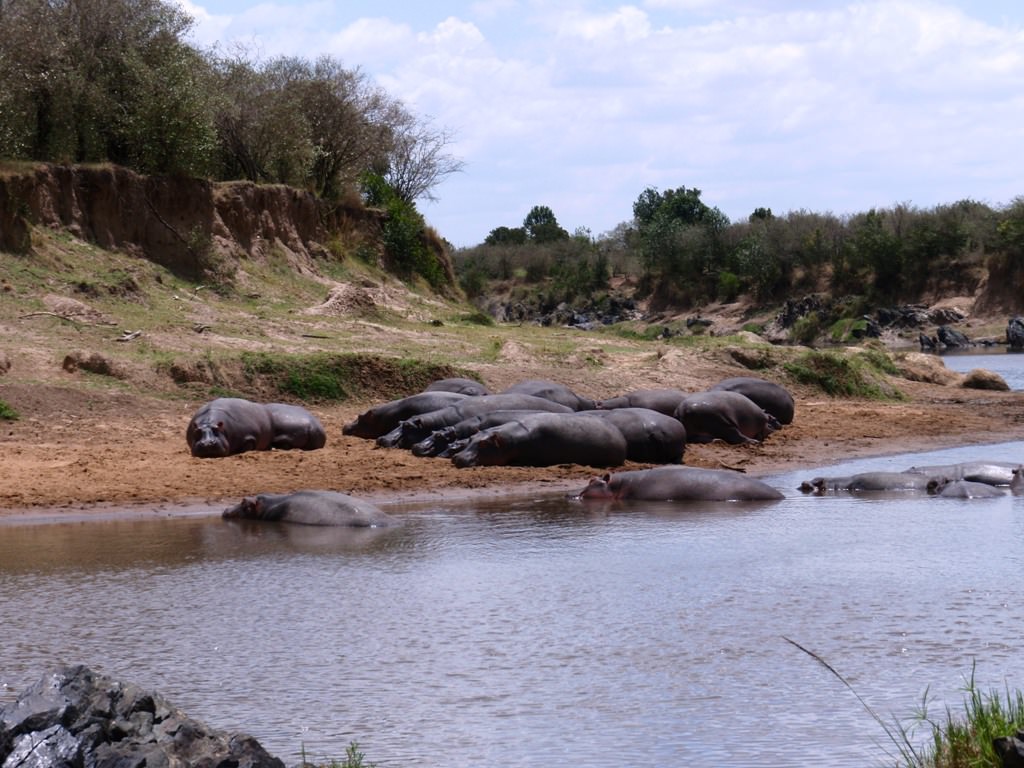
(844, 375)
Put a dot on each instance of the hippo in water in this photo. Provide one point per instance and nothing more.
(773, 398)
(988, 472)
(963, 489)
(311, 508)
(872, 481)
(381, 419)
(230, 425)
(724, 415)
(544, 439)
(679, 484)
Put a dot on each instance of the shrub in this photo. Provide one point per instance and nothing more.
(843, 375)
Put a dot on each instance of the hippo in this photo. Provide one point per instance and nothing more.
(412, 430)
(543, 439)
(651, 436)
(664, 400)
(460, 385)
(679, 484)
(724, 415)
(553, 391)
(440, 442)
(230, 425)
(311, 508)
(989, 472)
(773, 398)
(381, 419)
(962, 489)
(872, 481)
(1017, 483)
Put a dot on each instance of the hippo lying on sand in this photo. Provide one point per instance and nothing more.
(381, 419)
(724, 415)
(311, 508)
(544, 439)
(679, 484)
(773, 398)
(230, 425)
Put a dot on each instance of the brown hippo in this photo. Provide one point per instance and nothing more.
(679, 484)
(311, 508)
(230, 425)
(724, 415)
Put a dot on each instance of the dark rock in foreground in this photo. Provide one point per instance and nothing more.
(76, 718)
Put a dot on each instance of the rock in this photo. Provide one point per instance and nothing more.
(1010, 750)
(951, 337)
(75, 717)
(918, 366)
(1015, 332)
(979, 378)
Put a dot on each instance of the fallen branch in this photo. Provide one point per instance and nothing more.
(65, 318)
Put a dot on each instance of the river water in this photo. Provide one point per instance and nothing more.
(523, 631)
(1009, 365)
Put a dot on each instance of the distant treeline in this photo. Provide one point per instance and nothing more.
(685, 253)
(85, 81)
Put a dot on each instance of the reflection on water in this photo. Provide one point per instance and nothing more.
(529, 631)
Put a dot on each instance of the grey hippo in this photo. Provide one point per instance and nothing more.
(311, 508)
(230, 425)
(458, 384)
(544, 439)
(773, 398)
(963, 489)
(679, 484)
(551, 390)
(416, 428)
(445, 442)
(988, 472)
(724, 415)
(872, 481)
(664, 400)
(381, 419)
(651, 436)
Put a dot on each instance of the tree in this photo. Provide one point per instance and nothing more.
(506, 236)
(417, 161)
(541, 226)
(91, 80)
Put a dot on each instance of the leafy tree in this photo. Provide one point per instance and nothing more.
(92, 80)
(506, 236)
(541, 226)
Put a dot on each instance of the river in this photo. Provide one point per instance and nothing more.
(536, 630)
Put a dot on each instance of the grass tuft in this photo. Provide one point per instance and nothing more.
(7, 413)
(839, 375)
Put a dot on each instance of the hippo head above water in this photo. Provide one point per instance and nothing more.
(598, 488)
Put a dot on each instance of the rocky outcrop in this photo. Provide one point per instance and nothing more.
(74, 717)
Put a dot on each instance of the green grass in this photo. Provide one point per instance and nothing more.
(327, 377)
(846, 375)
(7, 413)
(965, 740)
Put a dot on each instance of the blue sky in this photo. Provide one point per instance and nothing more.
(823, 106)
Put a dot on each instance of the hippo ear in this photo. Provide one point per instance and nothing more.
(607, 477)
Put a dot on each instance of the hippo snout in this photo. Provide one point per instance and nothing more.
(209, 449)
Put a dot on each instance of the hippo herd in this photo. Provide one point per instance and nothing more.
(542, 423)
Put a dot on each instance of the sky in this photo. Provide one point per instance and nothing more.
(581, 105)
